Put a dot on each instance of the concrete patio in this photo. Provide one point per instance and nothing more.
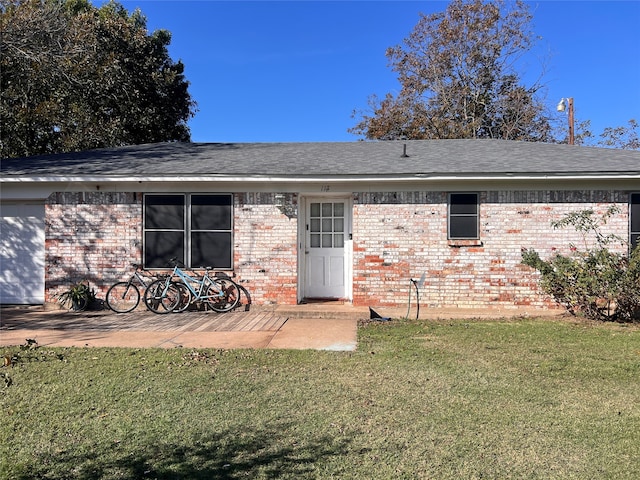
(319, 326)
(258, 328)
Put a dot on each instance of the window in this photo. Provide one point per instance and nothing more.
(634, 220)
(463, 216)
(326, 221)
(195, 228)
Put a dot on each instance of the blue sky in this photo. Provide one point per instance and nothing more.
(290, 71)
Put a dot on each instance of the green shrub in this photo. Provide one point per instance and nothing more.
(595, 282)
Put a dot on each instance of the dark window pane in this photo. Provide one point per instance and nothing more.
(211, 212)
(635, 212)
(464, 203)
(160, 247)
(164, 212)
(634, 241)
(211, 249)
(463, 227)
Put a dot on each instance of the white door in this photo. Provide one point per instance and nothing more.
(326, 229)
(21, 254)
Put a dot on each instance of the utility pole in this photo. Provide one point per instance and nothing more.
(562, 106)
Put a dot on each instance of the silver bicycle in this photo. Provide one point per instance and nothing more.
(124, 297)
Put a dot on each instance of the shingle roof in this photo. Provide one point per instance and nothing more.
(424, 158)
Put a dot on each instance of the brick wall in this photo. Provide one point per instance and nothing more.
(265, 239)
(399, 236)
(96, 236)
(91, 236)
(396, 237)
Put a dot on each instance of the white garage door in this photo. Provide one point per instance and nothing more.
(21, 254)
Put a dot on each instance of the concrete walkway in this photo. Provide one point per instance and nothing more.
(321, 326)
(141, 329)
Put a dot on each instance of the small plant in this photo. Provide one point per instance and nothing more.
(595, 282)
(77, 297)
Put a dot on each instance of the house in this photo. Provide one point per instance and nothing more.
(296, 221)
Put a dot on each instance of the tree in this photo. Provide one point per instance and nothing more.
(458, 80)
(75, 77)
(623, 137)
(626, 138)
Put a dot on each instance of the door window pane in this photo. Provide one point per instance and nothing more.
(326, 219)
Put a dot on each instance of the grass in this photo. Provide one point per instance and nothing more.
(519, 399)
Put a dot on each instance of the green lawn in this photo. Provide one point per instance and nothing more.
(448, 399)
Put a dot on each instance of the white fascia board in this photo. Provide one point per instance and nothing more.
(41, 187)
(316, 179)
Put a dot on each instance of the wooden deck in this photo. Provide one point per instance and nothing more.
(141, 320)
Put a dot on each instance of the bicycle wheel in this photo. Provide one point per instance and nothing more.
(162, 296)
(222, 295)
(123, 297)
(185, 298)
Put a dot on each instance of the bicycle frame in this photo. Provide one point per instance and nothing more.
(203, 283)
(143, 280)
(124, 296)
(171, 292)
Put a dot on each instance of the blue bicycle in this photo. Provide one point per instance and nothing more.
(181, 289)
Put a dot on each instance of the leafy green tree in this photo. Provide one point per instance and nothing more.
(75, 77)
(458, 79)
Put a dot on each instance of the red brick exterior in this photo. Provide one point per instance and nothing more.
(399, 236)
(396, 237)
(91, 236)
(265, 253)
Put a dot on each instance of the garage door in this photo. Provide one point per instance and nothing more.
(21, 254)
